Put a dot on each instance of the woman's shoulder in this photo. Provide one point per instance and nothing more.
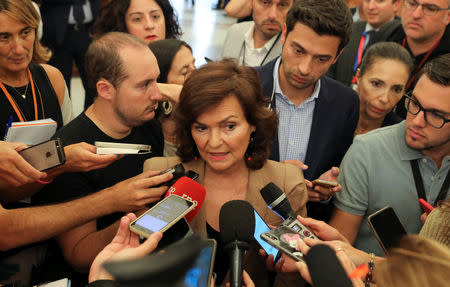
(284, 175)
(57, 80)
(161, 163)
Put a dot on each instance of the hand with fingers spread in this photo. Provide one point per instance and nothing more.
(124, 246)
(82, 157)
(136, 192)
(318, 193)
(14, 170)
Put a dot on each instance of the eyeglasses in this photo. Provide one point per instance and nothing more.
(428, 9)
(431, 117)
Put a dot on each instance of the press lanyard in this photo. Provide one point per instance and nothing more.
(420, 187)
(13, 103)
(267, 54)
(359, 55)
(421, 63)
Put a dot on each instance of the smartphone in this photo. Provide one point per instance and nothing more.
(386, 227)
(298, 227)
(201, 273)
(284, 239)
(162, 216)
(427, 208)
(177, 171)
(260, 227)
(46, 155)
(325, 183)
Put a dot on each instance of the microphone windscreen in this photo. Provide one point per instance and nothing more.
(271, 193)
(325, 268)
(236, 221)
(191, 190)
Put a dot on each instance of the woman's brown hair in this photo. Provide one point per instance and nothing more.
(206, 88)
(23, 11)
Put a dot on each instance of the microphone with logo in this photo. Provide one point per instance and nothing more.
(325, 268)
(237, 225)
(191, 190)
(276, 199)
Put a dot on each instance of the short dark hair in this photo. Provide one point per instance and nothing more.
(325, 17)
(386, 50)
(207, 87)
(437, 70)
(103, 58)
(112, 18)
(165, 51)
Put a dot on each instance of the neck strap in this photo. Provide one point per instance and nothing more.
(420, 187)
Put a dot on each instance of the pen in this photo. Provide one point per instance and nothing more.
(8, 125)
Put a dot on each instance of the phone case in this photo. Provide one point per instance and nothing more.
(325, 183)
(374, 231)
(145, 232)
(284, 239)
(427, 208)
(46, 155)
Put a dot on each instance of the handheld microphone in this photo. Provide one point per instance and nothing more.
(276, 199)
(191, 190)
(237, 225)
(325, 268)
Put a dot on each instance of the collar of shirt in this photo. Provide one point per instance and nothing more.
(88, 17)
(250, 44)
(277, 89)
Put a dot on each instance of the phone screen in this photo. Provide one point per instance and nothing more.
(199, 274)
(388, 227)
(261, 227)
(162, 214)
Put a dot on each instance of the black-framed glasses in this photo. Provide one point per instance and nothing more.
(428, 9)
(431, 117)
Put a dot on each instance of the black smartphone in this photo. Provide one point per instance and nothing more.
(46, 155)
(261, 227)
(177, 171)
(386, 227)
(201, 273)
(162, 216)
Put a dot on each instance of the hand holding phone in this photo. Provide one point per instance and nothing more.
(46, 155)
(162, 216)
(325, 183)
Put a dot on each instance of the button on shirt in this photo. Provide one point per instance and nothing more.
(249, 55)
(295, 123)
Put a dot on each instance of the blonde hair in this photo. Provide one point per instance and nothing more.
(23, 11)
(437, 225)
(418, 262)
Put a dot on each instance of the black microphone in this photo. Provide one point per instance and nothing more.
(237, 225)
(325, 268)
(276, 199)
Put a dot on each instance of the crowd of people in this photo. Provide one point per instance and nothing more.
(303, 90)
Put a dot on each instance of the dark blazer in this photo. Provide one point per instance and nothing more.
(342, 70)
(335, 118)
(55, 17)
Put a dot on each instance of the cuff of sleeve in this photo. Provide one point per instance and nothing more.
(349, 209)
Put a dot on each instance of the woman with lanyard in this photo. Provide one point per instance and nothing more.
(30, 90)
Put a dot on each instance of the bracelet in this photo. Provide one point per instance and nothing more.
(370, 274)
(43, 182)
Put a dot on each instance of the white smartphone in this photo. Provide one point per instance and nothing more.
(162, 216)
(46, 155)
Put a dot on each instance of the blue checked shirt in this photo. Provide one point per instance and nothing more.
(294, 126)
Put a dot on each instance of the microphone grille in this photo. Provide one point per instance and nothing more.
(270, 193)
(236, 221)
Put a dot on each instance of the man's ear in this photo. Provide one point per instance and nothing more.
(337, 57)
(283, 34)
(105, 89)
(396, 5)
